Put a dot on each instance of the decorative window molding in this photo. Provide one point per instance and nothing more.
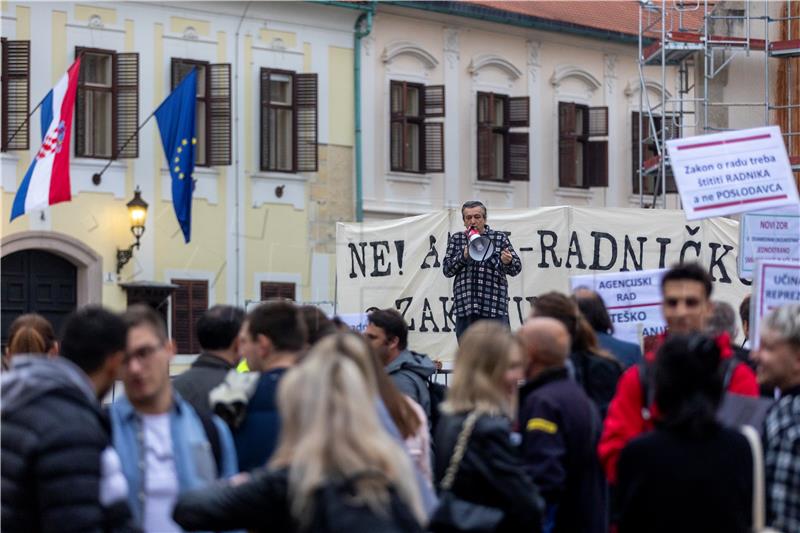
(398, 48)
(571, 71)
(634, 85)
(480, 62)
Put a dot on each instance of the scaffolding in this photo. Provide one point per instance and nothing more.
(683, 40)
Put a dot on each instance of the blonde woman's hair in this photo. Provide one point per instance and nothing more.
(330, 432)
(484, 355)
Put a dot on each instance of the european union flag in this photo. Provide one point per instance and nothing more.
(175, 118)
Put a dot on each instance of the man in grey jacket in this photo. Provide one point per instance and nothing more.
(387, 332)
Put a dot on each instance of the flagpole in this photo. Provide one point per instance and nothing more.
(97, 177)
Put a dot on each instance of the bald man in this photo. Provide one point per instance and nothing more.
(560, 429)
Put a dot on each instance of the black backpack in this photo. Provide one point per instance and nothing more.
(212, 434)
(438, 393)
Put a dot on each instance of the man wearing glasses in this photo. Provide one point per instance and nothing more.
(166, 447)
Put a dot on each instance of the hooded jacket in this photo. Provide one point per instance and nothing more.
(410, 372)
(54, 445)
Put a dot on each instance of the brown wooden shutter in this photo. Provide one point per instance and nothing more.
(434, 147)
(189, 302)
(80, 111)
(598, 122)
(635, 168)
(566, 145)
(597, 163)
(219, 115)
(485, 148)
(518, 157)
(518, 112)
(305, 101)
(264, 118)
(396, 125)
(434, 101)
(16, 62)
(274, 289)
(126, 103)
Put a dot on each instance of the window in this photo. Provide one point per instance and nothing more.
(582, 158)
(16, 92)
(212, 111)
(416, 143)
(274, 289)
(107, 104)
(288, 121)
(502, 154)
(650, 154)
(189, 302)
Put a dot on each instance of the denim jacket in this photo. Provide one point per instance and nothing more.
(194, 459)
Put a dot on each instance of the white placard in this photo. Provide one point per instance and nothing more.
(357, 321)
(732, 172)
(633, 300)
(770, 235)
(775, 283)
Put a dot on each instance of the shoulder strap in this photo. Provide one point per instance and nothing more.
(212, 434)
(459, 450)
(648, 395)
(729, 366)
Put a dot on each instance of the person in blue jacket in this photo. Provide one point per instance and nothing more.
(560, 429)
(595, 312)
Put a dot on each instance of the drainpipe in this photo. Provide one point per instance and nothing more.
(364, 19)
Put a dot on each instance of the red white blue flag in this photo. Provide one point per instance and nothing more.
(47, 180)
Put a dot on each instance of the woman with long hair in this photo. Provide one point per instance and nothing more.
(335, 468)
(30, 334)
(477, 413)
(690, 474)
(595, 369)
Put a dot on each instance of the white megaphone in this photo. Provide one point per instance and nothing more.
(480, 246)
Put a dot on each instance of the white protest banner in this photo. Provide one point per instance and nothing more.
(398, 263)
(633, 300)
(772, 235)
(732, 172)
(775, 283)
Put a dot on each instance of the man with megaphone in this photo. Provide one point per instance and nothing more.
(480, 259)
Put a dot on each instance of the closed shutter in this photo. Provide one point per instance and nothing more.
(518, 157)
(80, 122)
(271, 290)
(566, 145)
(305, 101)
(264, 118)
(16, 62)
(434, 147)
(219, 115)
(126, 102)
(635, 167)
(519, 112)
(434, 101)
(598, 122)
(189, 302)
(597, 163)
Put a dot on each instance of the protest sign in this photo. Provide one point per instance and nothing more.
(356, 321)
(776, 283)
(732, 172)
(633, 300)
(398, 263)
(772, 235)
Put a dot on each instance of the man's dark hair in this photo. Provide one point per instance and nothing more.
(744, 312)
(144, 315)
(218, 327)
(688, 272)
(91, 335)
(317, 323)
(281, 323)
(392, 323)
(473, 203)
(595, 312)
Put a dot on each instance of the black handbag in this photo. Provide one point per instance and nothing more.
(454, 514)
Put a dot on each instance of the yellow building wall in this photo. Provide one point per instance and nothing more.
(340, 97)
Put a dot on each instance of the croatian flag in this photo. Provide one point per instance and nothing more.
(47, 180)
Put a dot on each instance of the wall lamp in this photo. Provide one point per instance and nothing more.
(137, 210)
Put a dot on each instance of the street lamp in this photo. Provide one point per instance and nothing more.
(137, 209)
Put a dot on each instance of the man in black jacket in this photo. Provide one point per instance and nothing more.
(59, 472)
(217, 332)
(560, 428)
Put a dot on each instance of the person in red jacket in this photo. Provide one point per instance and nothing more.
(686, 304)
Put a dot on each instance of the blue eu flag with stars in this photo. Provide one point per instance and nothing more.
(175, 117)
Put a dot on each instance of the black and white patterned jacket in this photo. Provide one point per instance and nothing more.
(782, 462)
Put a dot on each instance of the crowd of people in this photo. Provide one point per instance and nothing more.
(558, 427)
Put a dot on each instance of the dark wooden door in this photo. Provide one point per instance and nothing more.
(35, 281)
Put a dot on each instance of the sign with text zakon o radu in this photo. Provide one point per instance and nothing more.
(771, 234)
(633, 300)
(732, 172)
(775, 284)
